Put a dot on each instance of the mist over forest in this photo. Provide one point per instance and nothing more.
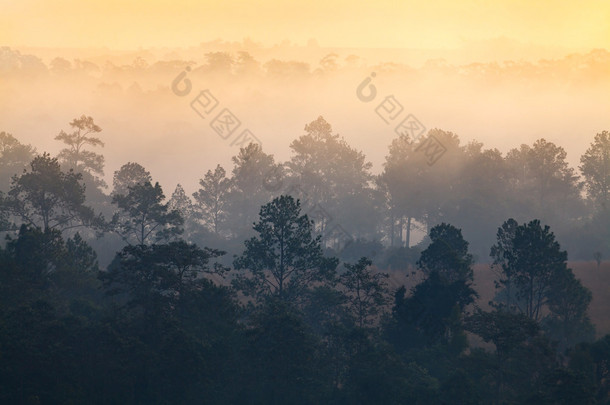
(239, 223)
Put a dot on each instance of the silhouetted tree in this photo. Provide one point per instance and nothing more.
(534, 260)
(568, 302)
(284, 259)
(14, 157)
(129, 175)
(595, 167)
(143, 217)
(366, 291)
(74, 156)
(156, 277)
(505, 237)
(48, 198)
(447, 255)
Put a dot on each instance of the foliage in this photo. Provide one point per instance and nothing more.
(284, 259)
(143, 217)
(49, 198)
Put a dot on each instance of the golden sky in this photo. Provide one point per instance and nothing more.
(128, 24)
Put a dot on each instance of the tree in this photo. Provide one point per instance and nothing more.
(595, 167)
(505, 237)
(534, 260)
(250, 168)
(39, 264)
(219, 62)
(478, 195)
(143, 217)
(335, 176)
(276, 373)
(508, 332)
(14, 157)
(81, 256)
(432, 314)
(128, 175)
(402, 182)
(181, 203)
(284, 259)
(212, 198)
(49, 198)
(158, 276)
(447, 255)
(74, 156)
(543, 182)
(568, 301)
(365, 289)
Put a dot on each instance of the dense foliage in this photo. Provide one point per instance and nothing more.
(301, 314)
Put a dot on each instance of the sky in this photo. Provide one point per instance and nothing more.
(130, 24)
(567, 109)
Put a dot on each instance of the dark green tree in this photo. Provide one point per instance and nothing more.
(48, 198)
(505, 237)
(534, 260)
(365, 289)
(447, 255)
(39, 264)
(432, 314)
(284, 259)
(568, 302)
(276, 373)
(157, 277)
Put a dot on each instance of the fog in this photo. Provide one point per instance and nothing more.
(304, 202)
(275, 91)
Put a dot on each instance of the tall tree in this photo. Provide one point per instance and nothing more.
(250, 168)
(48, 198)
(129, 175)
(366, 290)
(534, 260)
(568, 302)
(335, 176)
(157, 277)
(505, 237)
(543, 183)
(212, 198)
(284, 259)
(181, 202)
(402, 182)
(447, 255)
(143, 218)
(595, 167)
(40, 265)
(14, 157)
(432, 314)
(74, 156)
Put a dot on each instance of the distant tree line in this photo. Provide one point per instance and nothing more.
(471, 187)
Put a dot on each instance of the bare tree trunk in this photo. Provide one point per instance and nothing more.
(408, 242)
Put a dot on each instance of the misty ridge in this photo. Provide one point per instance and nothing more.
(147, 258)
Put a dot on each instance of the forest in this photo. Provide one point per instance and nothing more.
(310, 280)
